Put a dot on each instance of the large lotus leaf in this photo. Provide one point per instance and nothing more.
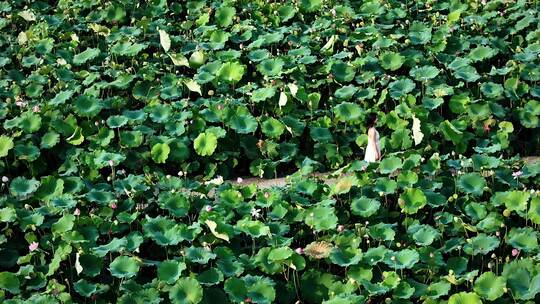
(382, 231)
(175, 203)
(467, 73)
(186, 291)
(263, 94)
(49, 140)
(131, 138)
(124, 267)
(348, 112)
(127, 48)
(390, 164)
(85, 288)
(88, 54)
(419, 33)
(205, 144)
(280, 254)
(525, 239)
(253, 228)
(481, 53)
(464, 298)
(472, 183)
(425, 235)
(9, 282)
(50, 187)
(169, 271)
(412, 200)
(260, 289)
(115, 245)
(218, 38)
(21, 186)
(199, 255)
(6, 144)
(160, 152)
(99, 196)
(231, 72)
(343, 72)
(491, 89)
(534, 211)
(404, 259)
(272, 128)
(116, 121)
(513, 200)
(243, 124)
(424, 73)
(211, 276)
(162, 230)
(481, 244)
(224, 15)
(345, 257)
(321, 218)
(489, 286)
(346, 92)
(271, 67)
(258, 55)
(438, 289)
(401, 87)
(364, 206)
(391, 60)
(450, 132)
(30, 122)
(521, 278)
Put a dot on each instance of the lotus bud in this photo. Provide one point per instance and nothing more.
(180, 173)
(505, 290)
(450, 272)
(506, 212)
(239, 180)
(456, 219)
(503, 225)
(77, 212)
(102, 121)
(493, 256)
(497, 233)
(33, 246)
(459, 247)
(168, 176)
(490, 265)
(367, 241)
(5, 179)
(381, 193)
(108, 178)
(111, 163)
(173, 191)
(387, 301)
(367, 223)
(96, 123)
(431, 255)
(267, 195)
(372, 260)
(398, 244)
(507, 259)
(27, 207)
(299, 250)
(340, 228)
(515, 252)
(393, 258)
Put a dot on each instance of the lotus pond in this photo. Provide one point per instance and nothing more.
(120, 119)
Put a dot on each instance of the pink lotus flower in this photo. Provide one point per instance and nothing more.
(111, 163)
(77, 212)
(113, 205)
(299, 250)
(515, 252)
(208, 208)
(340, 228)
(33, 246)
(517, 174)
(36, 109)
(239, 180)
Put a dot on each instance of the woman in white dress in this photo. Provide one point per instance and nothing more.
(373, 149)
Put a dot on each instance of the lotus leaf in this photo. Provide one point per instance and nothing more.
(6, 144)
(523, 239)
(481, 244)
(412, 200)
(124, 267)
(472, 183)
(186, 291)
(489, 286)
(205, 144)
(364, 206)
(404, 259)
(464, 298)
(169, 271)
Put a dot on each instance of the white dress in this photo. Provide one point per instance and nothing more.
(371, 153)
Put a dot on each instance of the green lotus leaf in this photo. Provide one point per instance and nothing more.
(348, 112)
(525, 239)
(116, 121)
(103, 158)
(6, 144)
(364, 206)
(391, 60)
(64, 224)
(438, 289)
(272, 128)
(424, 73)
(127, 48)
(49, 140)
(144, 90)
(521, 278)
(199, 255)
(50, 187)
(390, 165)
(534, 211)
(280, 254)
(218, 38)
(205, 144)
(467, 73)
(464, 298)
(489, 286)
(476, 211)
(169, 271)
(345, 257)
(61, 97)
(450, 132)
(401, 87)
(321, 218)
(160, 113)
(162, 230)
(260, 289)
(343, 72)
(481, 53)
(321, 134)
(346, 92)
(160, 152)
(513, 200)
(481, 244)
(403, 291)
(259, 55)
(115, 245)
(21, 187)
(286, 12)
(124, 267)
(29, 122)
(412, 200)
(210, 277)
(122, 81)
(88, 54)
(236, 289)
(131, 139)
(197, 59)
(243, 124)
(472, 183)
(491, 89)
(101, 197)
(254, 229)
(9, 282)
(231, 72)
(176, 203)
(425, 235)
(382, 231)
(263, 94)
(27, 152)
(85, 288)
(404, 259)
(224, 15)
(419, 33)
(87, 106)
(271, 67)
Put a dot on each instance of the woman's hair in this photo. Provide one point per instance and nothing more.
(370, 120)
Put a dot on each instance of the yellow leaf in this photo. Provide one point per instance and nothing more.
(193, 86)
(165, 40)
(212, 225)
(417, 133)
